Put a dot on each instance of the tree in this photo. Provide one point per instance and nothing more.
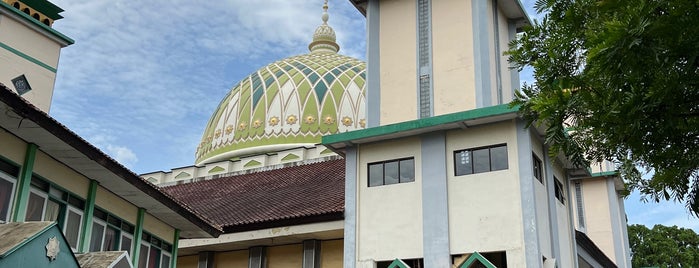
(663, 246)
(617, 80)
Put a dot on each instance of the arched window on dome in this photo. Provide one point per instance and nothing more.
(47, 22)
(16, 5)
(26, 10)
(36, 16)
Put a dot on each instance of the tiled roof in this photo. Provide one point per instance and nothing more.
(285, 196)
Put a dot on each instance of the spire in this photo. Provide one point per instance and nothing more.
(324, 36)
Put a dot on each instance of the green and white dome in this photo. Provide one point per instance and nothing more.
(289, 103)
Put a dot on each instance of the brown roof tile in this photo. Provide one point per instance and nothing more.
(285, 196)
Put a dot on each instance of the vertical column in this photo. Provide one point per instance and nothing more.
(553, 212)
(206, 259)
(424, 58)
(23, 183)
(497, 53)
(86, 232)
(616, 221)
(138, 236)
(435, 211)
(258, 257)
(571, 226)
(311, 254)
(573, 247)
(350, 240)
(373, 68)
(175, 246)
(514, 73)
(481, 54)
(532, 256)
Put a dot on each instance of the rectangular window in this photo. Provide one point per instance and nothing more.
(559, 191)
(579, 204)
(538, 169)
(35, 206)
(110, 239)
(143, 257)
(7, 189)
(479, 160)
(97, 235)
(73, 226)
(126, 240)
(392, 172)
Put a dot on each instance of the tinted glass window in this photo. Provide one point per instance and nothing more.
(481, 160)
(498, 158)
(375, 174)
(391, 173)
(407, 170)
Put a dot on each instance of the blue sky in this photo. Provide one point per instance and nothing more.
(143, 77)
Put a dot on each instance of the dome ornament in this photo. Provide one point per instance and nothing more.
(324, 36)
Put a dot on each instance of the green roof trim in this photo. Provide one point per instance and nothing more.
(398, 263)
(50, 30)
(477, 257)
(45, 7)
(420, 123)
(605, 173)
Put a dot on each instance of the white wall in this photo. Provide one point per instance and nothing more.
(390, 216)
(485, 208)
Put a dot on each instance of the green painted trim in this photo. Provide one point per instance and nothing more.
(216, 169)
(290, 157)
(183, 175)
(252, 163)
(605, 174)
(398, 263)
(88, 213)
(23, 183)
(420, 123)
(51, 31)
(175, 244)
(477, 257)
(45, 7)
(138, 235)
(326, 151)
(29, 239)
(27, 57)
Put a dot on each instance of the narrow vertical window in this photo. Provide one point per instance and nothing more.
(579, 204)
(538, 169)
(559, 191)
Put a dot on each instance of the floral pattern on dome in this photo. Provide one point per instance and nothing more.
(317, 90)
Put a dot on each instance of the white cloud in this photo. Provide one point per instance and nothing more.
(122, 155)
(150, 73)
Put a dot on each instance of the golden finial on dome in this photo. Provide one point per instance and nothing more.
(324, 36)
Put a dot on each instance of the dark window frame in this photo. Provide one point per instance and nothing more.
(537, 168)
(456, 155)
(383, 171)
(559, 190)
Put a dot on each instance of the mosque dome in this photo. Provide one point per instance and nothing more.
(289, 103)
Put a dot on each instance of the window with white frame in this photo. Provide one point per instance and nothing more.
(8, 180)
(392, 172)
(154, 252)
(481, 159)
(49, 203)
(110, 233)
